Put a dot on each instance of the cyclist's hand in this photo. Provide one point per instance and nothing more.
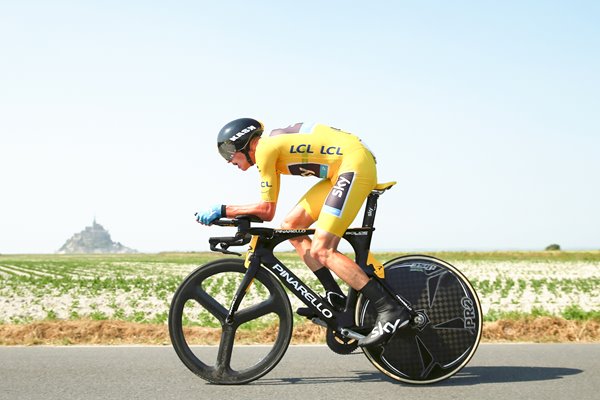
(208, 216)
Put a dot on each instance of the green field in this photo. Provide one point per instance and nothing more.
(139, 287)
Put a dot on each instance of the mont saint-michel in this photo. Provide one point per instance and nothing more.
(93, 239)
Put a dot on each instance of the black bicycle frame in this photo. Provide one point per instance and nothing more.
(262, 254)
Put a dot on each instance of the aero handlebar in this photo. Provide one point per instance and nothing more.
(242, 237)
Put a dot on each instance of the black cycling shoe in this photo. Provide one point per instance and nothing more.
(336, 300)
(391, 316)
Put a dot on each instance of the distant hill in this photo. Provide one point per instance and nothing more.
(93, 239)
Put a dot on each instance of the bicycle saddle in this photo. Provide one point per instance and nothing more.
(382, 187)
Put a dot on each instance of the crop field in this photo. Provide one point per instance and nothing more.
(139, 287)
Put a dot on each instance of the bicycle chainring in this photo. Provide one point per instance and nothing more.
(340, 344)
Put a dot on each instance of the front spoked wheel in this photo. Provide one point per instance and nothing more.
(197, 318)
(441, 340)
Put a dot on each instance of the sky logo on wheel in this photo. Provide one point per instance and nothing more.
(334, 204)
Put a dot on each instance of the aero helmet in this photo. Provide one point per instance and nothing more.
(236, 135)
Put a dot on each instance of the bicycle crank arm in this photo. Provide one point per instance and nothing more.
(344, 332)
(351, 334)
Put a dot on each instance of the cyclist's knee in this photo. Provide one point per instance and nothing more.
(321, 253)
(289, 223)
(298, 218)
(324, 246)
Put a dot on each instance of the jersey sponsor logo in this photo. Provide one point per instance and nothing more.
(301, 149)
(308, 149)
(331, 150)
(334, 204)
(306, 172)
(242, 133)
(309, 169)
(265, 188)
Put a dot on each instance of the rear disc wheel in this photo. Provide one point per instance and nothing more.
(444, 335)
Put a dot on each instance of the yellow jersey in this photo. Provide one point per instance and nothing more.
(302, 149)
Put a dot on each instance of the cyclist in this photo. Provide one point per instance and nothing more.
(347, 172)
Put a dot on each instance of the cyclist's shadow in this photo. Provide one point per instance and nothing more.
(507, 374)
(467, 376)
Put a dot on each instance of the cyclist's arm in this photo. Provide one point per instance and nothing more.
(264, 210)
(266, 159)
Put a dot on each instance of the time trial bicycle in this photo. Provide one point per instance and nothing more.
(441, 338)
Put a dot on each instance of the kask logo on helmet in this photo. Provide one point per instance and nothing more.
(243, 132)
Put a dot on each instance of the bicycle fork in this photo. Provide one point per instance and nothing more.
(242, 289)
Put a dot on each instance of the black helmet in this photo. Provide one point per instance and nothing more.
(236, 135)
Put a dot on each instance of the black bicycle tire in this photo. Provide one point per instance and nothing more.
(229, 376)
(375, 355)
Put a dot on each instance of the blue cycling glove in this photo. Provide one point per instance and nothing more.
(207, 217)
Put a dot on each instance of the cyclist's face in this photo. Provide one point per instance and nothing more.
(239, 160)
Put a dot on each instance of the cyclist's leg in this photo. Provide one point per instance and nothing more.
(357, 177)
(303, 215)
(390, 316)
(324, 250)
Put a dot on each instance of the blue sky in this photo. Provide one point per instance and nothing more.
(486, 113)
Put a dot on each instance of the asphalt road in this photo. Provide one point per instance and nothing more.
(506, 371)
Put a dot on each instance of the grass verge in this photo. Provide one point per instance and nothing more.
(541, 329)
